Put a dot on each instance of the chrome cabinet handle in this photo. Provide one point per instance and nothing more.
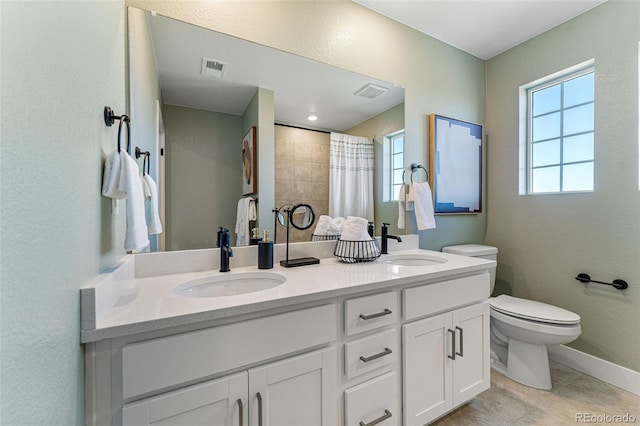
(384, 417)
(386, 351)
(461, 341)
(453, 344)
(379, 314)
(259, 408)
(241, 408)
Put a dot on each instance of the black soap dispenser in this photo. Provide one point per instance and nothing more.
(265, 252)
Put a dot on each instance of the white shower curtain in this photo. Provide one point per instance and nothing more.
(351, 176)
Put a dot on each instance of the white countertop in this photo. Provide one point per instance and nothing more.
(149, 303)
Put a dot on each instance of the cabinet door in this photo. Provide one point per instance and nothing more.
(471, 370)
(210, 403)
(426, 369)
(297, 391)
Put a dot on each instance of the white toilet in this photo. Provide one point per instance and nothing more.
(522, 329)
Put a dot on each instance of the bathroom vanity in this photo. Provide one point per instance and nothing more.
(398, 341)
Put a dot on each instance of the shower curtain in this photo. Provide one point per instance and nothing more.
(350, 176)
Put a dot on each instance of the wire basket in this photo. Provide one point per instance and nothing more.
(356, 251)
(315, 237)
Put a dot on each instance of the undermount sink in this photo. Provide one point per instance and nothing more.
(412, 260)
(229, 285)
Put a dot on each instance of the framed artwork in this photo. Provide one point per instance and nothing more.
(455, 160)
(249, 163)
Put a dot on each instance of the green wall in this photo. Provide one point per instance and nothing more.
(62, 63)
(203, 182)
(546, 240)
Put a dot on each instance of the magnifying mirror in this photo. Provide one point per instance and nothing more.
(301, 217)
(281, 214)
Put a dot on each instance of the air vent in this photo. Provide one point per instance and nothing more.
(213, 68)
(370, 91)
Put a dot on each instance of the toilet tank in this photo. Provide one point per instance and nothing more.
(477, 250)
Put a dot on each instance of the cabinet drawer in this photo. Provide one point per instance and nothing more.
(376, 399)
(168, 361)
(370, 353)
(370, 312)
(438, 297)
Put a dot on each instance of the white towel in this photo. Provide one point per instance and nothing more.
(322, 227)
(136, 235)
(423, 204)
(355, 229)
(410, 198)
(111, 176)
(402, 196)
(246, 212)
(335, 227)
(151, 192)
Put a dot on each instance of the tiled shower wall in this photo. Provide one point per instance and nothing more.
(302, 174)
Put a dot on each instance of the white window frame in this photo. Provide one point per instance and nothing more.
(388, 153)
(526, 127)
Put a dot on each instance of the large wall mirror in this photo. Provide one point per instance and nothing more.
(194, 94)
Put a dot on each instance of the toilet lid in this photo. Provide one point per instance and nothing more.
(536, 311)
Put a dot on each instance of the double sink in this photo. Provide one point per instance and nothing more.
(250, 282)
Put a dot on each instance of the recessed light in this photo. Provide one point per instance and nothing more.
(312, 117)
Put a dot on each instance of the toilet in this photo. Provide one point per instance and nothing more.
(521, 329)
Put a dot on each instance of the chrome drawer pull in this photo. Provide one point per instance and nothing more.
(385, 416)
(241, 409)
(379, 314)
(386, 351)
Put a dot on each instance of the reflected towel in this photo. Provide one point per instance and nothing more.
(136, 235)
(322, 227)
(246, 212)
(410, 198)
(402, 196)
(151, 192)
(423, 204)
(111, 176)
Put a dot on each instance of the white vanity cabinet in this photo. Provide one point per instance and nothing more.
(220, 402)
(296, 391)
(446, 356)
(402, 351)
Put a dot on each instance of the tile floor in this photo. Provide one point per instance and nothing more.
(509, 403)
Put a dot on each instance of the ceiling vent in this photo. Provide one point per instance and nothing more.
(370, 91)
(213, 68)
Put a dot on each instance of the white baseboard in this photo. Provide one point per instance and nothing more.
(606, 371)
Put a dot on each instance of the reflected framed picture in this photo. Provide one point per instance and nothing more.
(249, 163)
(455, 160)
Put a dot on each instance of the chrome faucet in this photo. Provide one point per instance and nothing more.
(225, 249)
(385, 236)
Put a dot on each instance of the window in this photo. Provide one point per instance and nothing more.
(393, 157)
(560, 134)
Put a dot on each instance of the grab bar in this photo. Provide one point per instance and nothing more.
(619, 284)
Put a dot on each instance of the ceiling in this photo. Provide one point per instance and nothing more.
(483, 28)
(301, 86)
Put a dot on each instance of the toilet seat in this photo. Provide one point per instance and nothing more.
(533, 311)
